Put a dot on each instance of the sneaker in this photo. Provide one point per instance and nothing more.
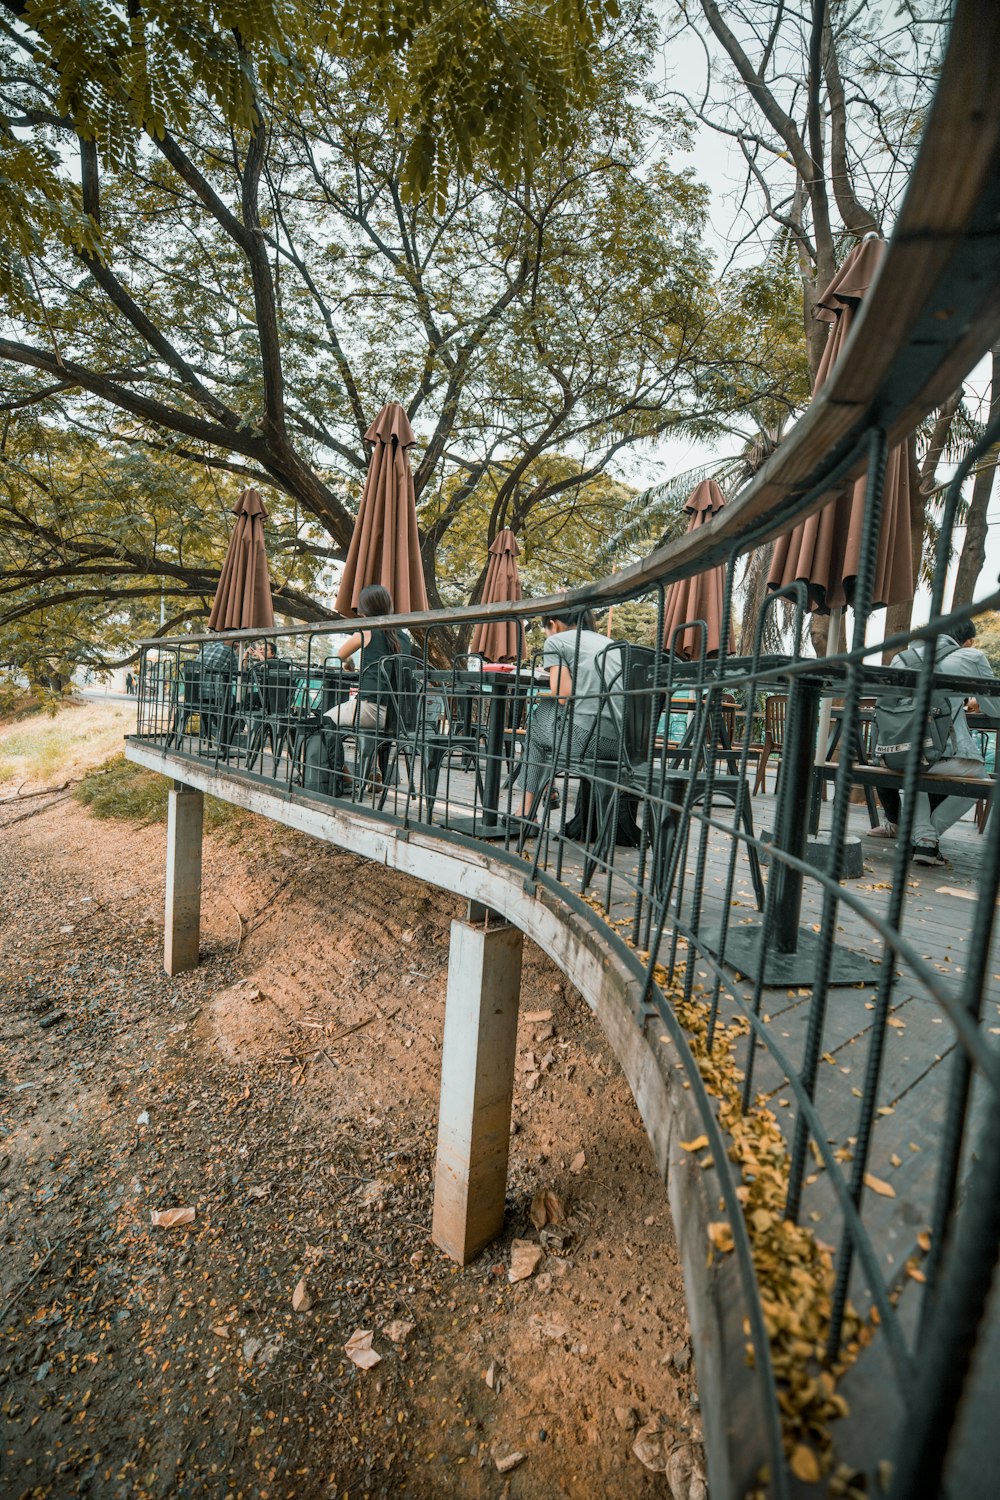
(883, 831)
(927, 854)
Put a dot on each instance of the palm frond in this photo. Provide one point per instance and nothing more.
(656, 515)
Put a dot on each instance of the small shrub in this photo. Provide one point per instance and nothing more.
(121, 789)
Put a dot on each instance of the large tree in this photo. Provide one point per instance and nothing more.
(824, 107)
(235, 271)
(824, 104)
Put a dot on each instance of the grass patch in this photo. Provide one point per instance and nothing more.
(42, 748)
(121, 789)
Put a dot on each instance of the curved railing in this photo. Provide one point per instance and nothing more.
(783, 1000)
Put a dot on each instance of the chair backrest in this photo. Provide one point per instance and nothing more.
(190, 684)
(775, 708)
(400, 693)
(627, 697)
(278, 687)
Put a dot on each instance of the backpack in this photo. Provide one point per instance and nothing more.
(896, 723)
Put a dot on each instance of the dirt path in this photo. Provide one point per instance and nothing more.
(138, 1361)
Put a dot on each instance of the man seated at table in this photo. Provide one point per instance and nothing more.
(963, 755)
(571, 656)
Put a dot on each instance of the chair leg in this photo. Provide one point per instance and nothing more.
(255, 745)
(753, 856)
(663, 844)
(431, 778)
(602, 845)
(765, 752)
(280, 745)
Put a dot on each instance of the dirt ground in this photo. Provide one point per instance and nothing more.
(138, 1361)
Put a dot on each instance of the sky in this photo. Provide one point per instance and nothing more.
(718, 163)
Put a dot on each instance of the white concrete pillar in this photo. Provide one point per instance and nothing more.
(477, 1084)
(182, 926)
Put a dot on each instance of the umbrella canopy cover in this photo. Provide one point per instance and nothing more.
(825, 550)
(700, 597)
(385, 547)
(501, 640)
(243, 598)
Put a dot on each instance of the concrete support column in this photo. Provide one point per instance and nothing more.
(477, 1084)
(182, 927)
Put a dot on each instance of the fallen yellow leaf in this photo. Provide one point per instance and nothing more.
(878, 1186)
(698, 1144)
(804, 1464)
(721, 1236)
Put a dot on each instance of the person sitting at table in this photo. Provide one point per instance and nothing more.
(255, 661)
(964, 756)
(571, 656)
(324, 751)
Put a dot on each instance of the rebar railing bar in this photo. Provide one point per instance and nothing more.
(946, 1352)
(757, 1329)
(779, 849)
(741, 795)
(874, 499)
(897, 895)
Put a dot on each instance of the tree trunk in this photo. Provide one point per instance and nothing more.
(970, 563)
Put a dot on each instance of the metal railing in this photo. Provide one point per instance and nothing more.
(655, 827)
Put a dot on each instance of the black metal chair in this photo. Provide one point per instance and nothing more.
(670, 794)
(272, 722)
(416, 734)
(192, 701)
(625, 701)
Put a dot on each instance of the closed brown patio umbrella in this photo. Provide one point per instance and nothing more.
(500, 640)
(701, 596)
(825, 549)
(385, 548)
(243, 598)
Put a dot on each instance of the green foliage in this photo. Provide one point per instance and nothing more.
(296, 212)
(988, 637)
(493, 83)
(96, 538)
(121, 789)
(633, 620)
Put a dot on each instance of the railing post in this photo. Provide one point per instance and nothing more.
(477, 1085)
(182, 925)
(792, 831)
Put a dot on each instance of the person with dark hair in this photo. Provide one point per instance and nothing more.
(571, 654)
(955, 655)
(325, 750)
(255, 670)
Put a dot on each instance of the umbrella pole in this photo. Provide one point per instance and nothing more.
(833, 644)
